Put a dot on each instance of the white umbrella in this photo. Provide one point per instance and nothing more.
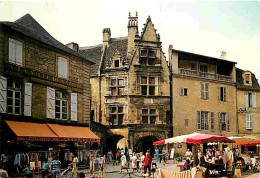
(180, 139)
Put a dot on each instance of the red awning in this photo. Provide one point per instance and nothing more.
(205, 138)
(161, 142)
(249, 143)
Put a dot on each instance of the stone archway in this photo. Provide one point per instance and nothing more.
(145, 143)
(112, 142)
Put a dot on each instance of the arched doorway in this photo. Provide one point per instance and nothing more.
(113, 142)
(145, 143)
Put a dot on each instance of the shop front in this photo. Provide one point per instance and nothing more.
(31, 144)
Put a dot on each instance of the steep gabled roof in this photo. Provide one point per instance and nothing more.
(28, 26)
(95, 53)
(240, 81)
(149, 26)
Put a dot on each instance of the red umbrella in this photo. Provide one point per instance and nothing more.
(160, 142)
(205, 138)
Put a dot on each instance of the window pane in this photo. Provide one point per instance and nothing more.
(151, 90)
(17, 110)
(120, 109)
(144, 90)
(120, 119)
(9, 101)
(17, 85)
(120, 91)
(144, 111)
(145, 119)
(152, 111)
(151, 53)
(64, 103)
(116, 63)
(144, 52)
(113, 110)
(57, 108)
(17, 95)
(57, 102)
(57, 115)
(58, 94)
(17, 102)
(9, 94)
(64, 115)
(64, 109)
(143, 61)
(112, 119)
(10, 109)
(10, 83)
(113, 82)
(120, 82)
(113, 91)
(152, 119)
(144, 80)
(151, 80)
(151, 62)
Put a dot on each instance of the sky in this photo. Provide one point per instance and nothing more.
(202, 27)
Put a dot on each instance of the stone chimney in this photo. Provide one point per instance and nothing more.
(223, 55)
(132, 32)
(170, 56)
(106, 36)
(73, 46)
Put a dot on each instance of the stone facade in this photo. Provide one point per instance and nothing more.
(39, 69)
(130, 89)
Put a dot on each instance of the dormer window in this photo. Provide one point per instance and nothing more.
(247, 78)
(116, 63)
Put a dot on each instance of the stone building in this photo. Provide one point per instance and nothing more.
(130, 86)
(42, 82)
(248, 106)
(203, 94)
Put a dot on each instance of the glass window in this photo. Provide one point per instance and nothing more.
(62, 67)
(61, 105)
(149, 116)
(148, 86)
(14, 97)
(116, 115)
(15, 52)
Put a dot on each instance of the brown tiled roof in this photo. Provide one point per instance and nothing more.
(95, 53)
(28, 26)
(240, 81)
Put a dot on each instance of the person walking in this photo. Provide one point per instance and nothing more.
(141, 164)
(110, 156)
(147, 163)
(45, 168)
(157, 154)
(123, 162)
(74, 163)
(55, 167)
(134, 161)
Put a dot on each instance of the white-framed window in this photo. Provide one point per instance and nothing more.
(250, 100)
(62, 67)
(184, 91)
(149, 115)
(222, 121)
(148, 86)
(15, 52)
(116, 115)
(14, 97)
(61, 105)
(202, 120)
(222, 94)
(249, 122)
(204, 91)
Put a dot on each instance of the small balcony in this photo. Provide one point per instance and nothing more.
(204, 75)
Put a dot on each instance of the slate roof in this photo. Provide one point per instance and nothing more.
(240, 81)
(28, 26)
(95, 53)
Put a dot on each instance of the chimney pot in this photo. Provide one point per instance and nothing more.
(73, 46)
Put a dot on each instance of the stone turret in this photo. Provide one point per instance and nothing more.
(132, 32)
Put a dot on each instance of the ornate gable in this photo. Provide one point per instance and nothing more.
(149, 32)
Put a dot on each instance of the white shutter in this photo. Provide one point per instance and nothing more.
(202, 91)
(50, 103)
(246, 100)
(65, 68)
(12, 50)
(28, 99)
(74, 106)
(19, 53)
(251, 121)
(248, 121)
(206, 90)
(198, 120)
(182, 91)
(3, 94)
(228, 122)
(254, 100)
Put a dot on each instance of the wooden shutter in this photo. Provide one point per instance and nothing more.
(212, 121)
(12, 50)
(182, 92)
(198, 120)
(3, 94)
(206, 91)
(202, 91)
(251, 121)
(50, 103)
(219, 116)
(248, 121)
(224, 93)
(254, 100)
(28, 99)
(228, 122)
(19, 53)
(246, 100)
(74, 106)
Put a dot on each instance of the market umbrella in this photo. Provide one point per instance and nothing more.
(205, 138)
(160, 142)
(180, 139)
